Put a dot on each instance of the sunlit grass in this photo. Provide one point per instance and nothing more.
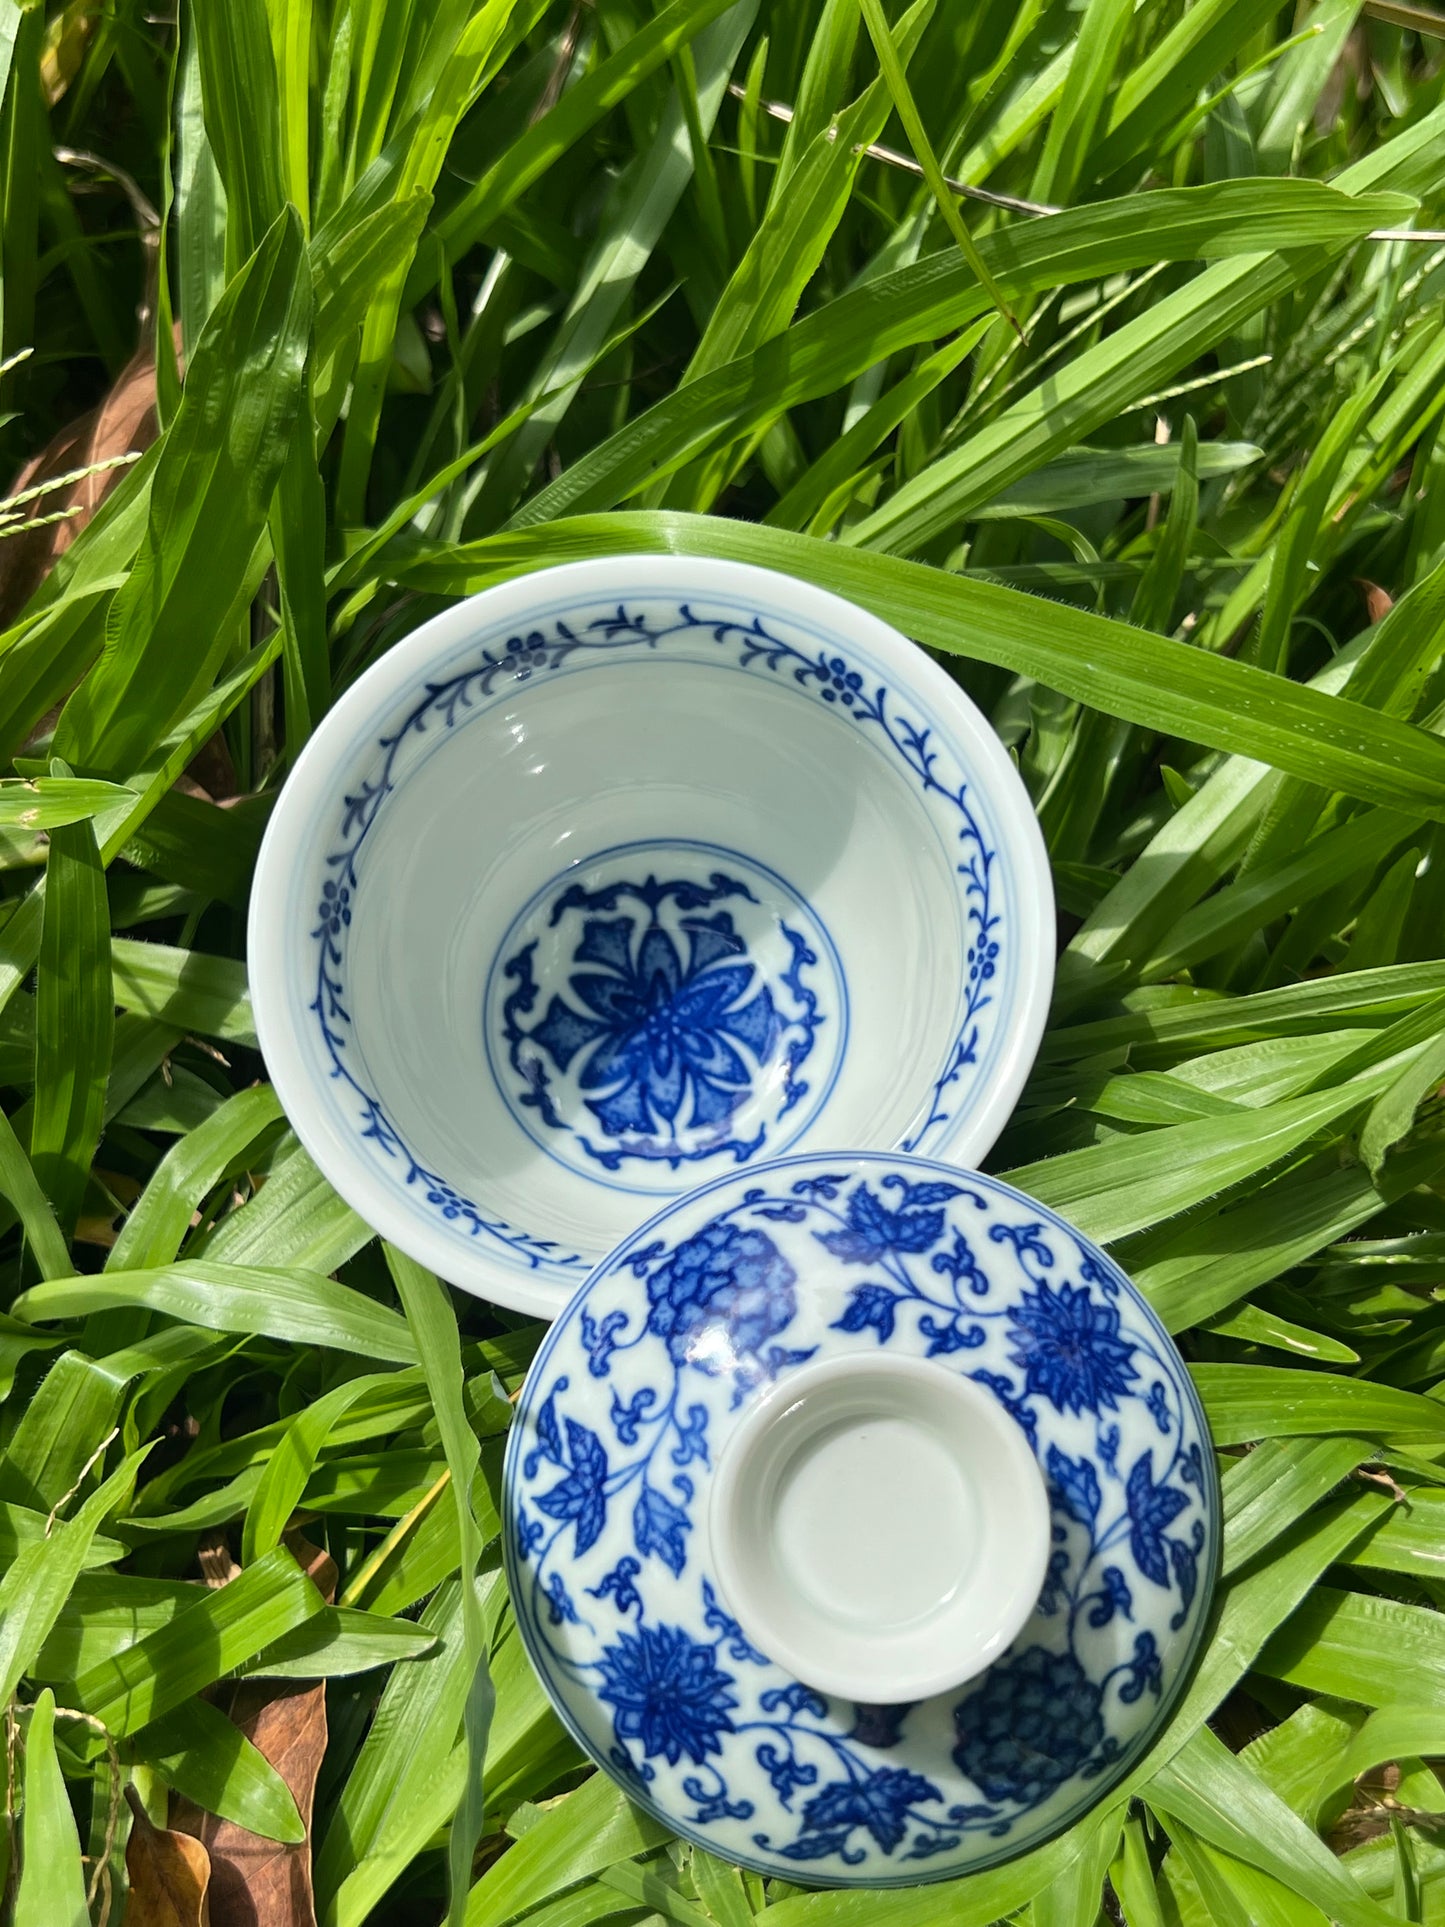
(425, 296)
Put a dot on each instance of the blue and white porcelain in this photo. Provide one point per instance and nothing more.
(627, 874)
(861, 1519)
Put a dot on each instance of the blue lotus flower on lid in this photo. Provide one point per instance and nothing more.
(1067, 1344)
(667, 1691)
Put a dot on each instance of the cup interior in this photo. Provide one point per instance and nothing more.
(636, 924)
(880, 1527)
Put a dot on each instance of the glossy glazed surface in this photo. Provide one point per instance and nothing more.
(616, 1509)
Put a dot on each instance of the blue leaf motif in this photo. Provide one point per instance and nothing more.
(820, 1189)
(626, 1418)
(559, 1602)
(820, 1846)
(1159, 1405)
(779, 1358)
(1145, 1671)
(880, 1803)
(1056, 1583)
(873, 1230)
(727, 1629)
(530, 1533)
(914, 1195)
(580, 1496)
(1151, 1508)
(949, 1335)
(786, 1772)
(793, 1698)
(714, 1806)
(1027, 1240)
(639, 1262)
(1003, 1390)
(691, 1437)
(868, 1305)
(1077, 1485)
(961, 1266)
(601, 1340)
(549, 1438)
(658, 1526)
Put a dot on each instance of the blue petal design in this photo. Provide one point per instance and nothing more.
(1077, 1485)
(579, 1496)
(1069, 1347)
(1151, 1508)
(667, 1692)
(658, 1527)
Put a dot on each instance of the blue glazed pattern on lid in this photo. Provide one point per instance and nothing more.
(636, 1391)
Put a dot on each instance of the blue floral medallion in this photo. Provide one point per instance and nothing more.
(662, 1005)
(636, 1392)
(697, 1035)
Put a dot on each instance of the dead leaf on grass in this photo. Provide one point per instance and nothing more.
(168, 1874)
(257, 1882)
(123, 425)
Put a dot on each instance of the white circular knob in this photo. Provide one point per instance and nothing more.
(880, 1527)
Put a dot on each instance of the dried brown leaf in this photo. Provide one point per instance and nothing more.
(1378, 602)
(317, 1564)
(169, 1874)
(124, 424)
(213, 1555)
(257, 1882)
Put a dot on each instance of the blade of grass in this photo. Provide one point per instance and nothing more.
(304, 1307)
(74, 1020)
(51, 1890)
(891, 68)
(434, 1328)
(1147, 679)
(175, 617)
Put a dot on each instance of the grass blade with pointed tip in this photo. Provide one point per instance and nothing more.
(304, 1307)
(434, 1327)
(897, 80)
(1147, 679)
(51, 1889)
(74, 1020)
(171, 623)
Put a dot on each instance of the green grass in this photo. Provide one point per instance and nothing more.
(460, 291)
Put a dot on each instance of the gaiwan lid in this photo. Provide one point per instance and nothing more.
(861, 1519)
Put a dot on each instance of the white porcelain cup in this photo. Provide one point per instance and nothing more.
(880, 1527)
(626, 874)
